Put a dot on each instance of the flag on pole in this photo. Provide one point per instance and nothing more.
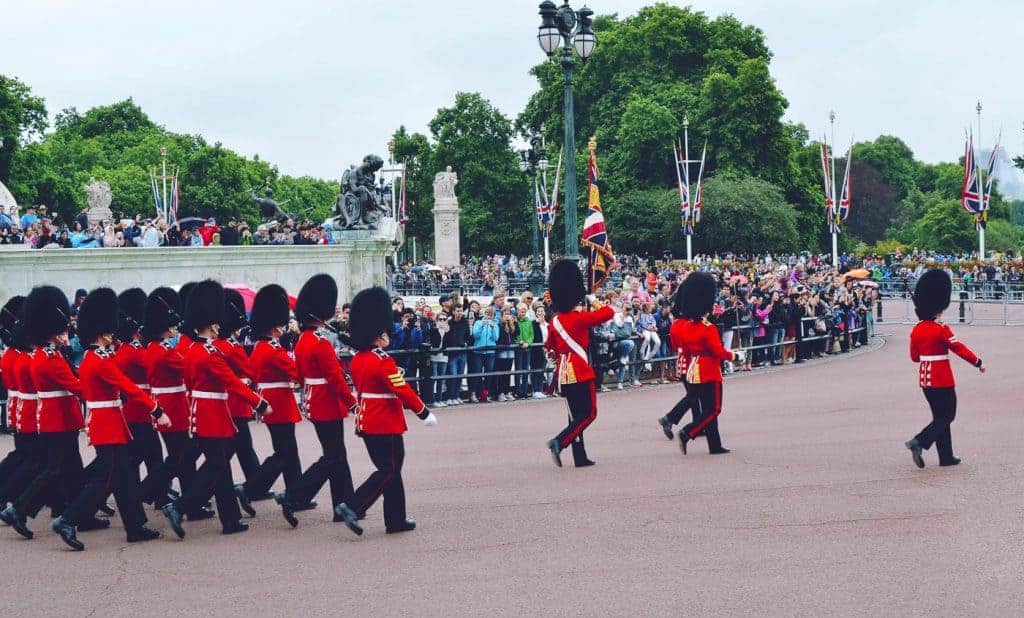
(156, 195)
(403, 217)
(698, 200)
(683, 180)
(552, 202)
(970, 197)
(826, 169)
(844, 196)
(990, 174)
(595, 234)
(173, 199)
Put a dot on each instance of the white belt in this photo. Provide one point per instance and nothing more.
(378, 396)
(938, 357)
(53, 394)
(89, 405)
(209, 395)
(167, 390)
(11, 393)
(265, 385)
(144, 387)
(28, 396)
(315, 381)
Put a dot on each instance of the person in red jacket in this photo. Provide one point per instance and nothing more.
(383, 395)
(327, 395)
(103, 387)
(699, 339)
(569, 340)
(19, 358)
(931, 342)
(675, 415)
(9, 316)
(241, 412)
(210, 380)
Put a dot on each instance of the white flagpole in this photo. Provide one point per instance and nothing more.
(981, 190)
(689, 198)
(835, 205)
(547, 253)
(163, 178)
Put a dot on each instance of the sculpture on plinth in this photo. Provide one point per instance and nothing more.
(270, 210)
(99, 197)
(357, 207)
(446, 218)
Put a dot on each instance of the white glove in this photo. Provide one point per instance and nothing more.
(430, 421)
(740, 356)
(591, 299)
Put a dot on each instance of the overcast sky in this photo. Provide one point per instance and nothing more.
(314, 85)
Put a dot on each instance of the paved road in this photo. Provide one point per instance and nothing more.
(817, 511)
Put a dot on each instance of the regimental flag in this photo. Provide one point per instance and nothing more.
(595, 235)
(826, 169)
(844, 196)
(173, 201)
(403, 216)
(971, 196)
(156, 196)
(683, 180)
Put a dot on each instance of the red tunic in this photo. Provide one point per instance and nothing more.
(10, 381)
(165, 371)
(58, 390)
(327, 394)
(103, 383)
(234, 354)
(683, 358)
(274, 373)
(28, 402)
(383, 394)
(701, 341)
(930, 345)
(131, 360)
(210, 380)
(572, 367)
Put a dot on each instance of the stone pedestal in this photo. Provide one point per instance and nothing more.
(99, 198)
(446, 219)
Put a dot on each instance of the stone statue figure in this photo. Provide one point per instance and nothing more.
(99, 197)
(270, 210)
(357, 207)
(444, 184)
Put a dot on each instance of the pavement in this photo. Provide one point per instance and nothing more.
(818, 511)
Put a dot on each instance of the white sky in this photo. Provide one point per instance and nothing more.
(314, 85)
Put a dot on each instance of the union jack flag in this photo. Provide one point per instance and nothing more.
(595, 234)
(826, 169)
(683, 180)
(844, 197)
(971, 197)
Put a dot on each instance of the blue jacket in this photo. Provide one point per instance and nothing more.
(406, 339)
(485, 334)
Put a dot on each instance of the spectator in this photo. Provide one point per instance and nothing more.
(208, 230)
(456, 338)
(647, 328)
(485, 337)
(29, 218)
(523, 341)
(439, 359)
(406, 342)
(82, 218)
(5, 221)
(538, 354)
(229, 235)
(507, 331)
(624, 348)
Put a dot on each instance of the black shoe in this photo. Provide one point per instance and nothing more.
(338, 519)
(174, 518)
(309, 506)
(556, 451)
(684, 439)
(586, 463)
(8, 515)
(266, 496)
(142, 534)
(96, 523)
(405, 526)
(243, 501)
(720, 451)
(235, 529)
(173, 493)
(952, 462)
(15, 520)
(800, 360)
(915, 451)
(349, 517)
(106, 510)
(286, 510)
(67, 533)
(666, 427)
(202, 513)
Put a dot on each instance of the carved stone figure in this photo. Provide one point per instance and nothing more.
(270, 210)
(444, 184)
(99, 198)
(357, 207)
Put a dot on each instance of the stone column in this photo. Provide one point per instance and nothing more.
(446, 219)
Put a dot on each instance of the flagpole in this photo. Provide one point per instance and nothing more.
(163, 176)
(689, 198)
(981, 188)
(835, 205)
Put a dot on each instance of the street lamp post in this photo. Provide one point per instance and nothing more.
(533, 161)
(562, 24)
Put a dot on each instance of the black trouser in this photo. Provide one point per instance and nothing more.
(582, 401)
(32, 458)
(332, 466)
(501, 382)
(145, 448)
(707, 399)
(284, 461)
(246, 454)
(213, 479)
(181, 459)
(387, 452)
(943, 404)
(60, 479)
(113, 470)
(12, 461)
(679, 410)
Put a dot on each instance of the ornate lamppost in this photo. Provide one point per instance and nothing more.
(561, 26)
(533, 161)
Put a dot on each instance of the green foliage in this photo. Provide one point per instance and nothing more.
(944, 226)
(1001, 235)
(746, 215)
(22, 116)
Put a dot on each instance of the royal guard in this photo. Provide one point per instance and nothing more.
(27, 437)
(931, 341)
(210, 381)
(130, 357)
(59, 412)
(275, 376)
(383, 396)
(104, 386)
(9, 317)
(675, 415)
(184, 338)
(569, 340)
(326, 394)
(699, 340)
(241, 412)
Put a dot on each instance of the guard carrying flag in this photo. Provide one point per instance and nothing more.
(383, 395)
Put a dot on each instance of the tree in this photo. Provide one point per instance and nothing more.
(893, 160)
(22, 116)
(746, 215)
(1003, 236)
(874, 202)
(944, 226)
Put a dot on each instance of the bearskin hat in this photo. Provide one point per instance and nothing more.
(269, 309)
(234, 312)
(163, 310)
(318, 300)
(369, 317)
(932, 294)
(131, 306)
(695, 297)
(565, 282)
(46, 314)
(184, 291)
(9, 318)
(205, 306)
(97, 315)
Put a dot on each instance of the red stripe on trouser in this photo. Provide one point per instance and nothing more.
(704, 422)
(587, 421)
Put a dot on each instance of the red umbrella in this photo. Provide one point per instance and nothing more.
(740, 279)
(249, 295)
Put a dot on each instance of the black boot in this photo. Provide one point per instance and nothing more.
(719, 451)
(174, 517)
(952, 462)
(243, 500)
(556, 451)
(16, 520)
(96, 523)
(404, 526)
(286, 510)
(143, 533)
(579, 456)
(349, 516)
(684, 439)
(309, 506)
(915, 451)
(666, 427)
(106, 510)
(235, 529)
(67, 534)
(203, 512)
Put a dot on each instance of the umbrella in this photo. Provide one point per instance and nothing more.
(868, 284)
(191, 223)
(417, 269)
(434, 269)
(858, 273)
(740, 279)
(249, 295)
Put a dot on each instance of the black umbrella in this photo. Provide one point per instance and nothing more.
(191, 223)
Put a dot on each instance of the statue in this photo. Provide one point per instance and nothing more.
(444, 184)
(99, 197)
(357, 207)
(270, 210)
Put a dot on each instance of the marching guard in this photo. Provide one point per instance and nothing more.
(678, 411)
(14, 464)
(241, 412)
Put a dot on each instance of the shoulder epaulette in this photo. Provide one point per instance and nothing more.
(167, 345)
(275, 344)
(232, 341)
(49, 350)
(209, 347)
(380, 353)
(137, 344)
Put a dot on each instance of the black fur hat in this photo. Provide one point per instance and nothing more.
(234, 312)
(131, 306)
(565, 282)
(695, 297)
(46, 314)
(163, 310)
(318, 299)
(184, 291)
(205, 306)
(369, 317)
(932, 294)
(269, 309)
(97, 315)
(9, 317)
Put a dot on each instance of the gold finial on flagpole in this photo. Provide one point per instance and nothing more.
(592, 144)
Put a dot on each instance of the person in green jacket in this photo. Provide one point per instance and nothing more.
(524, 339)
